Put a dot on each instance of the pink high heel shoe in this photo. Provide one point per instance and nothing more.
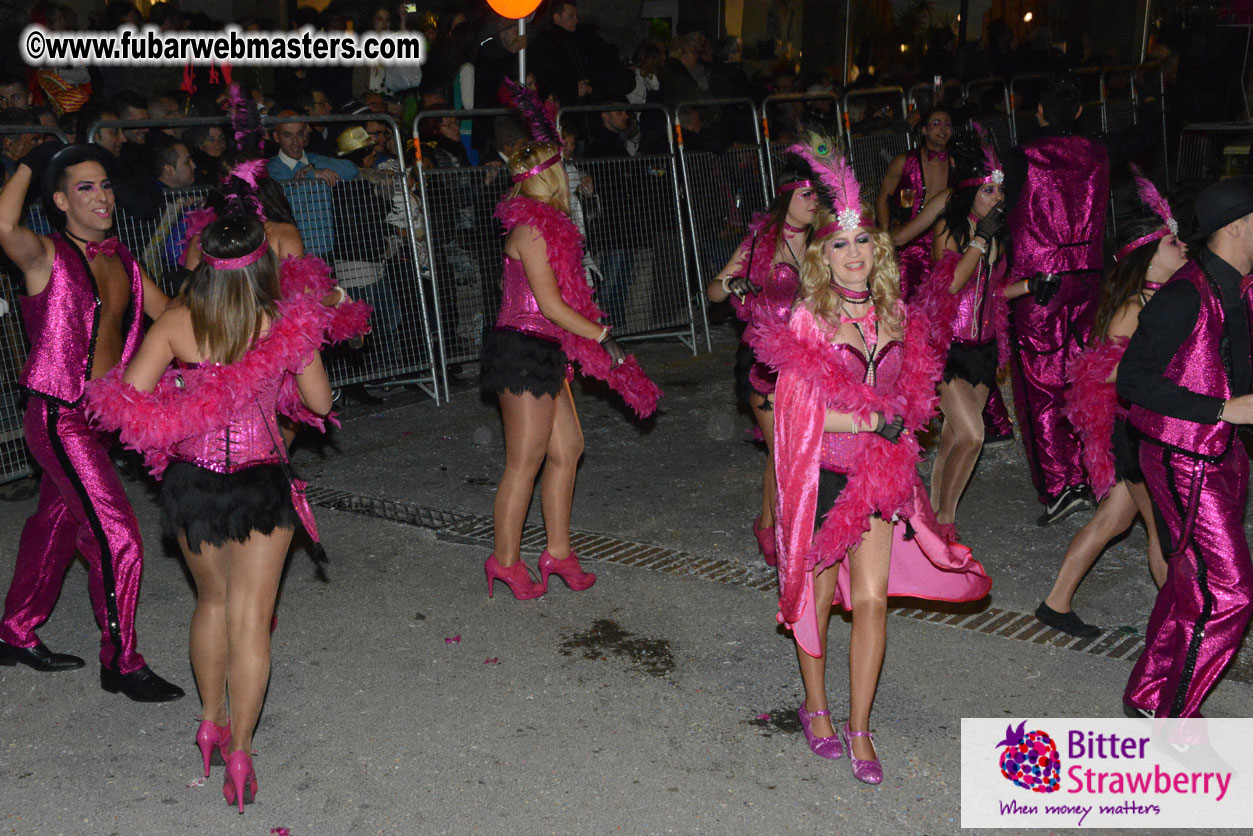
(765, 542)
(823, 747)
(868, 772)
(517, 577)
(241, 781)
(567, 568)
(212, 739)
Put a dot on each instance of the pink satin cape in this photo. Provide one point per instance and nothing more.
(882, 477)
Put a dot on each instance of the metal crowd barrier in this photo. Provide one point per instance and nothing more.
(782, 126)
(637, 238)
(999, 125)
(461, 243)
(872, 153)
(722, 193)
(922, 95)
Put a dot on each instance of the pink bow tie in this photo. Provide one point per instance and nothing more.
(937, 155)
(106, 247)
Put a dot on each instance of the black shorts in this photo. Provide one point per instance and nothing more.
(974, 363)
(214, 508)
(516, 362)
(1126, 454)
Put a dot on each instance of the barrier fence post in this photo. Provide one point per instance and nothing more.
(722, 191)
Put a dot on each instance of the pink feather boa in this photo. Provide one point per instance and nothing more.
(564, 244)
(190, 402)
(1092, 405)
(941, 306)
(883, 476)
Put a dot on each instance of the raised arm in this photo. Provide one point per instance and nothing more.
(30, 252)
(924, 220)
(156, 352)
(736, 267)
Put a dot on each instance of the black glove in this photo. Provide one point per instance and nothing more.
(740, 286)
(891, 431)
(1044, 287)
(991, 224)
(614, 350)
(37, 160)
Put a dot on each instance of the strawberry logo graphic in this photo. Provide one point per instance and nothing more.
(1030, 759)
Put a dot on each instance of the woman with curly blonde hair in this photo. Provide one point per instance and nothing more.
(857, 374)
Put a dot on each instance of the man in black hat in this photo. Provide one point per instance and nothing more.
(1188, 373)
(85, 301)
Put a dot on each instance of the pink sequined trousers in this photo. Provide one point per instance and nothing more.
(1202, 610)
(82, 510)
(1046, 340)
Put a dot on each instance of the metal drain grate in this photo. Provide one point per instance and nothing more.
(471, 529)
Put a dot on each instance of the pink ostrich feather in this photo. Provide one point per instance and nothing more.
(839, 182)
(1153, 199)
(990, 160)
(1091, 406)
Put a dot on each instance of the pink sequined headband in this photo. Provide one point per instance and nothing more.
(544, 166)
(236, 263)
(799, 184)
(1140, 242)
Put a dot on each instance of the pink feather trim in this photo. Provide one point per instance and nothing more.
(940, 306)
(1091, 406)
(153, 422)
(1153, 199)
(565, 254)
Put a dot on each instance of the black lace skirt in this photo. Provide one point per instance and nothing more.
(518, 363)
(974, 363)
(214, 508)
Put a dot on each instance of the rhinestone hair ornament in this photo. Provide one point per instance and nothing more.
(1153, 199)
(991, 163)
(835, 180)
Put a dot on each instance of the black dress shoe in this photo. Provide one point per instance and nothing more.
(141, 686)
(1067, 622)
(38, 657)
(362, 395)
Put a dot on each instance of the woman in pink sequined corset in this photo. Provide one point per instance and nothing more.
(241, 354)
(761, 281)
(856, 379)
(547, 321)
(965, 291)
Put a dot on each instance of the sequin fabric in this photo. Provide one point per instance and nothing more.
(519, 311)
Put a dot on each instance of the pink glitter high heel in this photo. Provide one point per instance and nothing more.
(868, 772)
(765, 542)
(212, 738)
(823, 747)
(517, 577)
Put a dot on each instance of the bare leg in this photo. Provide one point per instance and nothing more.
(1144, 504)
(208, 644)
(528, 426)
(1115, 513)
(765, 420)
(814, 671)
(962, 405)
(256, 567)
(868, 581)
(947, 439)
(561, 465)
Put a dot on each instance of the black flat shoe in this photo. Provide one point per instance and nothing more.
(141, 686)
(38, 657)
(1067, 622)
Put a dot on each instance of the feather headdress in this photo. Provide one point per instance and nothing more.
(833, 175)
(1153, 199)
(540, 121)
(995, 172)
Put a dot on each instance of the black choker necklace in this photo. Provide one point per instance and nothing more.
(857, 297)
(791, 228)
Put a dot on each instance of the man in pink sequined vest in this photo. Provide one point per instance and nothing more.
(86, 298)
(1058, 187)
(1188, 373)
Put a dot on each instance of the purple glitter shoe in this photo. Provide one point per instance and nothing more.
(868, 772)
(823, 747)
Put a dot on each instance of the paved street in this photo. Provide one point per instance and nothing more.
(404, 701)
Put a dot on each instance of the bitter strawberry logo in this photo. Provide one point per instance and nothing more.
(1030, 759)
